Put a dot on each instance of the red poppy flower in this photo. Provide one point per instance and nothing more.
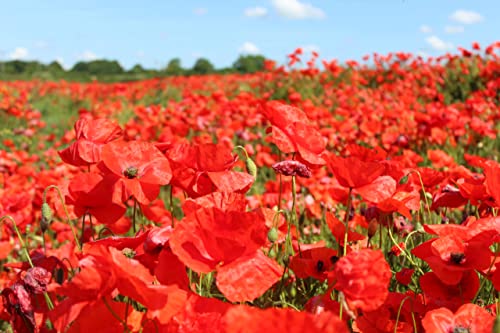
(397, 314)
(468, 318)
(245, 319)
(103, 270)
(91, 193)
(314, 262)
(200, 314)
(91, 136)
(338, 230)
(229, 242)
(206, 168)
(292, 132)
(492, 174)
(140, 168)
(364, 175)
(364, 278)
(439, 294)
(454, 252)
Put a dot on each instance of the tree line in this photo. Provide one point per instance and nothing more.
(112, 69)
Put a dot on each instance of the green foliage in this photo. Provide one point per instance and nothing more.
(203, 66)
(249, 63)
(98, 67)
(174, 67)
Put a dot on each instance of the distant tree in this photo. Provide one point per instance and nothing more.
(203, 66)
(101, 66)
(137, 69)
(55, 67)
(174, 67)
(249, 63)
(19, 66)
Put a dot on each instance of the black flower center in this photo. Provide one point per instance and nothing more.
(334, 259)
(457, 258)
(131, 172)
(320, 266)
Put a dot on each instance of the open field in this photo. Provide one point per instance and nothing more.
(308, 198)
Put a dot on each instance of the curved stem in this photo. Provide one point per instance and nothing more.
(44, 199)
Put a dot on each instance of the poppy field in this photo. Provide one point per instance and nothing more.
(310, 197)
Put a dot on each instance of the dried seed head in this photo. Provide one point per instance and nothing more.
(292, 168)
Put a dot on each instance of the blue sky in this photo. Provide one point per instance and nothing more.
(153, 32)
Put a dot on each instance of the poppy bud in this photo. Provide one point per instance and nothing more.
(47, 216)
(403, 180)
(292, 168)
(372, 228)
(251, 167)
(272, 235)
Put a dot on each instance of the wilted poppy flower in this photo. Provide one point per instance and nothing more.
(91, 136)
(140, 168)
(17, 302)
(292, 168)
(364, 278)
(469, 318)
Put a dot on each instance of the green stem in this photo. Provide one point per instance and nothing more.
(133, 216)
(44, 199)
(346, 221)
(294, 212)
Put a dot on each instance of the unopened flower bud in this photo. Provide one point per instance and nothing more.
(251, 167)
(47, 216)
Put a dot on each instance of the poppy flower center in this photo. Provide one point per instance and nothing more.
(457, 258)
(131, 172)
(461, 329)
(320, 266)
(334, 259)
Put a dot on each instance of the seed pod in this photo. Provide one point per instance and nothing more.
(47, 216)
(251, 167)
(272, 235)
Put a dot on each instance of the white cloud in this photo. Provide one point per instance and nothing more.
(454, 29)
(87, 56)
(19, 53)
(425, 29)
(296, 10)
(200, 11)
(140, 54)
(466, 16)
(439, 44)
(249, 48)
(256, 12)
